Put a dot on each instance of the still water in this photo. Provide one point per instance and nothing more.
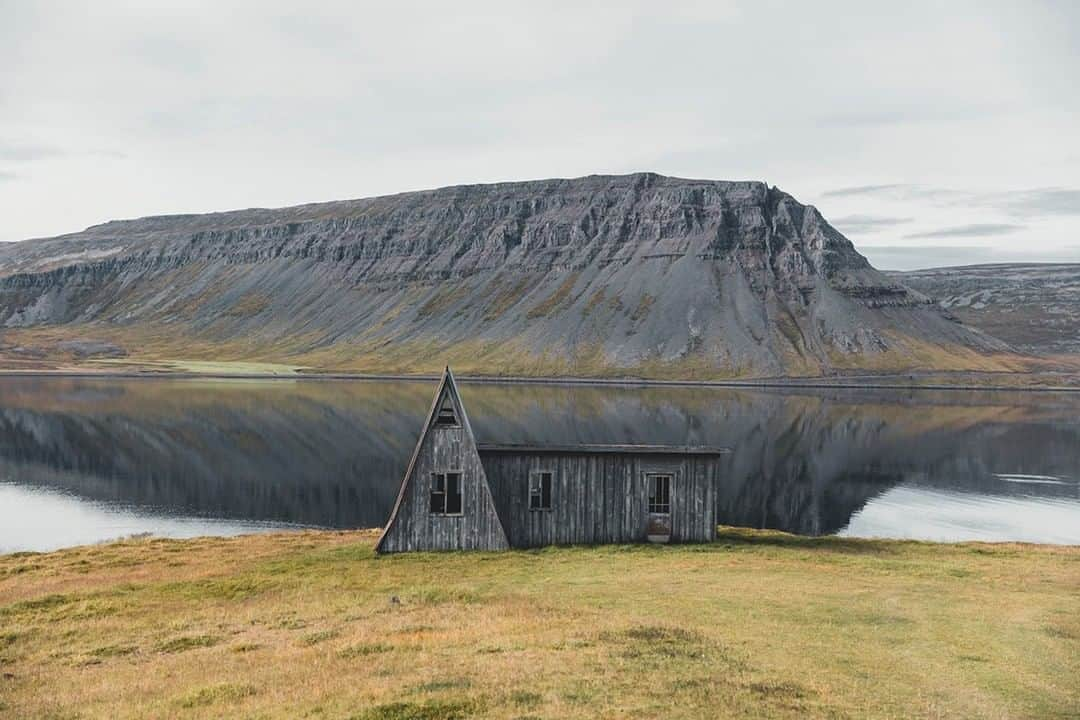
(84, 460)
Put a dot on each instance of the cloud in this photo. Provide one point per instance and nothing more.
(23, 153)
(867, 223)
(1022, 203)
(864, 190)
(108, 154)
(918, 257)
(908, 257)
(878, 114)
(866, 118)
(27, 153)
(973, 230)
(1041, 201)
(225, 107)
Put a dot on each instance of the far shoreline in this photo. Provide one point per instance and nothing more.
(873, 382)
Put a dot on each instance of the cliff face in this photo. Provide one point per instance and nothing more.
(595, 275)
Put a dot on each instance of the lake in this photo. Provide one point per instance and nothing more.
(87, 460)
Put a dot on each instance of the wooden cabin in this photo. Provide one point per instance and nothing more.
(460, 495)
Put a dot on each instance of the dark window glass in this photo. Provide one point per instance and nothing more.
(540, 491)
(446, 493)
(453, 493)
(659, 494)
(438, 494)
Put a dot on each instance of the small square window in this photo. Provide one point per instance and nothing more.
(446, 493)
(540, 490)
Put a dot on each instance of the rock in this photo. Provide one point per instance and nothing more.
(1033, 306)
(596, 275)
(90, 348)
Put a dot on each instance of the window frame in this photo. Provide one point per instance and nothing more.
(445, 494)
(538, 490)
(654, 504)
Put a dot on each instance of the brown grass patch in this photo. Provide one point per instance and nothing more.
(556, 299)
(756, 624)
(643, 308)
(505, 296)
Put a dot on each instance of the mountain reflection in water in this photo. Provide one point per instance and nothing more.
(331, 453)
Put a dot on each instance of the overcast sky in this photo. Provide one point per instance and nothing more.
(930, 134)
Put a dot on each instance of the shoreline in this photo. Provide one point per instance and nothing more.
(284, 532)
(844, 383)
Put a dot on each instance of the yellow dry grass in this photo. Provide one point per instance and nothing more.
(755, 625)
(505, 294)
(556, 299)
(166, 349)
(441, 299)
(203, 367)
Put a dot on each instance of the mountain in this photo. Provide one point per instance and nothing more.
(1035, 307)
(602, 275)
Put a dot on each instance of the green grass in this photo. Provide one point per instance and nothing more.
(433, 710)
(183, 644)
(224, 693)
(756, 624)
(201, 367)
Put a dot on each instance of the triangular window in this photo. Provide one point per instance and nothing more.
(447, 415)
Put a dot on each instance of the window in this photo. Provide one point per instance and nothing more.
(447, 416)
(659, 493)
(540, 490)
(446, 493)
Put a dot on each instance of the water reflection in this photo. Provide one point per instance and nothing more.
(39, 518)
(331, 453)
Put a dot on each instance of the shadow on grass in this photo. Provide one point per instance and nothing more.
(831, 543)
(454, 709)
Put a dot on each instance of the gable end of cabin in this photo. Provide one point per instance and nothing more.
(445, 502)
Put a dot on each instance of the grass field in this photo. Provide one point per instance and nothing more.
(765, 625)
(167, 349)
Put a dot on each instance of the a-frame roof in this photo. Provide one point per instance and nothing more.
(447, 387)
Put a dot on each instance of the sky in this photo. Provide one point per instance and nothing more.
(929, 133)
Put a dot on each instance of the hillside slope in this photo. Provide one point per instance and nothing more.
(599, 275)
(1035, 307)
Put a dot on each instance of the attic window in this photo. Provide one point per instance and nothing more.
(540, 490)
(447, 416)
(446, 493)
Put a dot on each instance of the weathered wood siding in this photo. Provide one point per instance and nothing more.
(601, 497)
(445, 449)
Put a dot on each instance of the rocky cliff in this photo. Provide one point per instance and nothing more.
(597, 275)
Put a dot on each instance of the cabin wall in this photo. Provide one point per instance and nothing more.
(413, 527)
(601, 497)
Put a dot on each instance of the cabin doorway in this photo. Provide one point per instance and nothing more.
(658, 488)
